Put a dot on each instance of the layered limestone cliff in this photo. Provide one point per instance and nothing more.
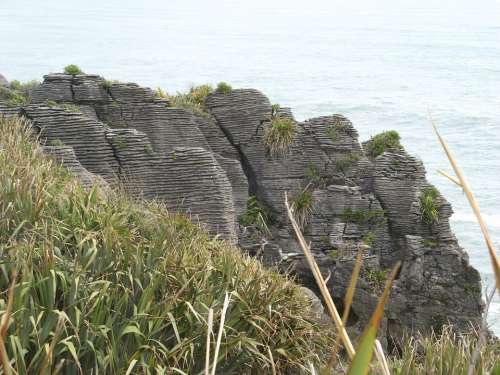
(120, 134)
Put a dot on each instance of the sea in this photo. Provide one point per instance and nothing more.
(384, 64)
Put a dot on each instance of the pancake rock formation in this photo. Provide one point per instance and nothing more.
(222, 169)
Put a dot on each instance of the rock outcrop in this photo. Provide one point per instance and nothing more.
(209, 166)
(3, 81)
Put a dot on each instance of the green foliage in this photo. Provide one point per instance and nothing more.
(333, 254)
(275, 108)
(224, 88)
(121, 142)
(325, 240)
(313, 175)
(25, 87)
(346, 162)
(333, 132)
(148, 149)
(279, 136)
(256, 215)
(430, 243)
(361, 216)
(13, 97)
(428, 206)
(72, 69)
(107, 283)
(376, 278)
(69, 107)
(302, 206)
(382, 142)
(56, 142)
(368, 238)
(192, 101)
(443, 353)
(108, 83)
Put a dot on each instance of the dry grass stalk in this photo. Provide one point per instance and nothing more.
(209, 334)
(221, 330)
(379, 352)
(271, 359)
(347, 302)
(475, 207)
(321, 283)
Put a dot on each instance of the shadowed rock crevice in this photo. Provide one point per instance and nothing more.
(350, 199)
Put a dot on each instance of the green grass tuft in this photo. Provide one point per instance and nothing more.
(346, 162)
(302, 206)
(107, 283)
(444, 353)
(192, 101)
(256, 216)
(362, 216)
(13, 97)
(389, 140)
(428, 206)
(279, 136)
(72, 69)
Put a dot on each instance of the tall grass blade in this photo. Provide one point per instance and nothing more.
(321, 283)
(475, 207)
(209, 334)
(360, 364)
(4, 325)
(221, 330)
(348, 302)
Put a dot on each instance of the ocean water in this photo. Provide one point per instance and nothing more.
(384, 64)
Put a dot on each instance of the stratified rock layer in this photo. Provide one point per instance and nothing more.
(119, 133)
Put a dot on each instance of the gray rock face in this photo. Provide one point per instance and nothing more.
(207, 167)
(3, 81)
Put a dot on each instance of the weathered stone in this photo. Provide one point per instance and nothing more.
(208, 166)
(3, 81)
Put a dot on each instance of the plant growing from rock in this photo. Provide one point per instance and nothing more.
(362, 216)
(386, 141)
(275, 109)
(279, 136)
(346, 162)
(302, 206)
(256, 216)
(376, 278)
(368, 238)
(72, 69)
(192, 101)
(223, 88)
(428, 206)
(56, 142)
(13, 98)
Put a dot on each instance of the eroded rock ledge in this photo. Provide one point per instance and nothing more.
(208, 167)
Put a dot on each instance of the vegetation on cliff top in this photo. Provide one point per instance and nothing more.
(382, 142)
(108, 284)
(17, 94)
(72, 69)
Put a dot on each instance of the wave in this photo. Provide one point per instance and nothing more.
(492, 220)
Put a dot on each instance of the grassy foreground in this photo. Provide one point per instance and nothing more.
(111, 286)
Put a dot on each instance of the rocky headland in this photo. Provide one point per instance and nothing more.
(224, 166)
